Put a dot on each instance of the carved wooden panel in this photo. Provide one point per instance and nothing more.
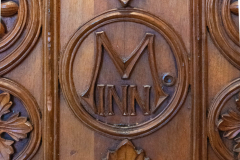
(224, 121)
(13, 126)
(20, 126)
(119, 79)
(223, 115)
(223, 29)
(157, 99)
(20, 27)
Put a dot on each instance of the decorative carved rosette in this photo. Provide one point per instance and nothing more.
(16, 126)
(223, 30)
(20, 34)
(224, 121)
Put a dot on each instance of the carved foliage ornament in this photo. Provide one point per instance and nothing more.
(17, 127)
(126, 151)
(229, 122)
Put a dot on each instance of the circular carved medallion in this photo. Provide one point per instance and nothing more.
(21, 23)
(223, 30)
(17, 127)
(123, 96)
(229, 122)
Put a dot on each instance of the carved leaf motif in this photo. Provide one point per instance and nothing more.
(126, 151)
(234, 7)
(17, 127)
(230, 124)
(5, 149)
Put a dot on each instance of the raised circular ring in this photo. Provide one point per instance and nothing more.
(230, 26)
(213, 119)
(18, 43)
(32, 108)
(223, 31)
(124, 15)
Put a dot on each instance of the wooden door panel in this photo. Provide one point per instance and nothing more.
(124, 36)
(21, 80)
(223, 53)
(119, 79)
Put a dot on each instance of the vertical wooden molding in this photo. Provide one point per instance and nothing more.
(199, 80)
(51, 94)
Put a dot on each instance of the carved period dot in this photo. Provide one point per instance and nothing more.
(168, 80)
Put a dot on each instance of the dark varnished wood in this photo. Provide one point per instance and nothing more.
(131, 72)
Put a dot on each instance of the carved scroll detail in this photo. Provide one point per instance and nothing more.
(17, 127)
(230, 124)
(126, 151)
